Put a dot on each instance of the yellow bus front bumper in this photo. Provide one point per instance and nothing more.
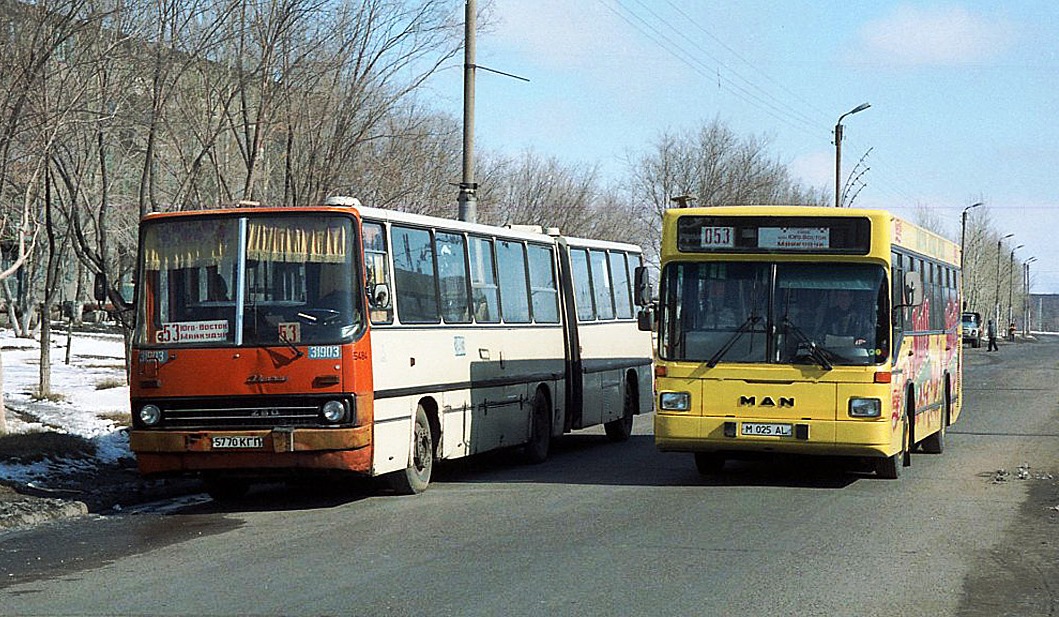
(676, 432)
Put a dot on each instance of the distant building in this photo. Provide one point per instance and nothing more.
(1044, 312)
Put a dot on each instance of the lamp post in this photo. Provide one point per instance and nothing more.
(996, 296)
(838, 151)
(1011, 279)
(1026, 295)
(963, 232)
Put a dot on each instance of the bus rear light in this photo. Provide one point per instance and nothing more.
(660, 370)
(883, 377)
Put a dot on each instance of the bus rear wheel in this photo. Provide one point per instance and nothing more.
(540, 439)
(415, 478)
(621, 429)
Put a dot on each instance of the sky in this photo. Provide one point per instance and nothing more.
(962, 96)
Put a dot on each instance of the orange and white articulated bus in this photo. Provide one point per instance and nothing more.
(805, 330)
(272, 341)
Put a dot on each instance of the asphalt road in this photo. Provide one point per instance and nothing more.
(605, 529)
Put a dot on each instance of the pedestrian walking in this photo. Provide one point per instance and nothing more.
(990, 331)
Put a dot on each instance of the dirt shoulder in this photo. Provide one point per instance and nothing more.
(101, 490)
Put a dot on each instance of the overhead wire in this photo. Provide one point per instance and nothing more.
(668, 37)
(657, 36)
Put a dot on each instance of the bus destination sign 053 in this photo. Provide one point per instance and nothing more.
(728, 234)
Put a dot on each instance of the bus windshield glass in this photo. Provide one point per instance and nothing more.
(787, 313)
(278, 280)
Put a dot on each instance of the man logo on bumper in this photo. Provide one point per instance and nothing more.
(768, 401)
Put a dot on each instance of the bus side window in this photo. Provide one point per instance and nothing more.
(378, 274)
(485, 300)
(601, 285)
(414, 275)
(452, 276)
(619, 272)
(583, 296)
(545, 296)
(514, 295)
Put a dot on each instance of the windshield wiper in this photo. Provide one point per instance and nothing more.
(815, 351)
(743, 329)
(286, 341)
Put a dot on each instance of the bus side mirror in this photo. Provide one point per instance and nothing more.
(380, 296)
(642, 286)
(645, 319)
(913, 289)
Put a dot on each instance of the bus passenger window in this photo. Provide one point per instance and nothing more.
(619, 272)
(484, 296)
(586, 310)
(514, 299)
(413, 265)
(452, 276)
(601, 285)
(545, 297)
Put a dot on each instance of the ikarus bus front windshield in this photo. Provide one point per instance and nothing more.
(252, 280)
(825, 314)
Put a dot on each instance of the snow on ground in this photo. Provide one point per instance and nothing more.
(96, 359)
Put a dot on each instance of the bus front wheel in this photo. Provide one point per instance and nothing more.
(889, 468)
(415, 478)
(709, 463)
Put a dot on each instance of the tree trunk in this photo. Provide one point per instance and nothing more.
(3, 409)
(45, 351)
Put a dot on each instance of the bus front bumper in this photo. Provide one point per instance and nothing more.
(173, 452)
(684, 433)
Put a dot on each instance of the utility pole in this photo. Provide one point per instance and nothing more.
(468, 198)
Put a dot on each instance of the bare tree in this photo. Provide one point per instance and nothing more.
(717, 167)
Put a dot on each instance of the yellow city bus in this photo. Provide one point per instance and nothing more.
(751, 358)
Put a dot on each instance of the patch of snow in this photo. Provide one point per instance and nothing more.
(96, 359)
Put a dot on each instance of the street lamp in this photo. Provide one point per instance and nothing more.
(838, 151)
(996, 296)
(963, 232)
(1026, 295)
(1011, 279)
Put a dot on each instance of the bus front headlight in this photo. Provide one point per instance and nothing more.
(865, 407)
(674, 401)
(334, 411)
(150, 415)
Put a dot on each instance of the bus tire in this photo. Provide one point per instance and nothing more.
(621, 429)
(889, 468)
(415, 478)
(540, 437)
(709, 463)
(935, 444)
